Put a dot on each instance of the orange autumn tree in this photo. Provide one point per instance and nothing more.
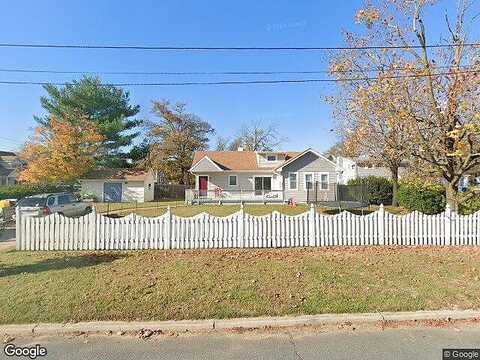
(420, 87)
(61, 152)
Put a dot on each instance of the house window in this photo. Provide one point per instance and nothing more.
(292, 178)
(232, 180)
(262, 185)
(308, 181)
(324, 181)
(271, 157)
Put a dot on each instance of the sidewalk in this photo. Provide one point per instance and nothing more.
(235, 324)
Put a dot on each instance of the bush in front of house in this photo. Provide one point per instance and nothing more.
(379, 189)
(426, 198)
(469, 202)
(20, 191)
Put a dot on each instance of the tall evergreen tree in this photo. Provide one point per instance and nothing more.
(107, 106)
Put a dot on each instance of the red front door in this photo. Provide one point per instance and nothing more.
(203, 185)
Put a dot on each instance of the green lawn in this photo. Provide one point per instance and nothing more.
(118, 207)
(179, 208)
(158, 285)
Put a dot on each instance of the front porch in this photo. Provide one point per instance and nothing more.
(220, 196)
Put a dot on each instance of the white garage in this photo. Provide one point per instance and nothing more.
(119, 185)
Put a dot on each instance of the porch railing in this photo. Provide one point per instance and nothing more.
(193, 195)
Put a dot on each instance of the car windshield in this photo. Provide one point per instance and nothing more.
(32, 201)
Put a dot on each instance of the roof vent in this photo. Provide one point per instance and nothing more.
(240, 148)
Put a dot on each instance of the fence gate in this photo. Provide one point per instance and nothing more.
(169, 192)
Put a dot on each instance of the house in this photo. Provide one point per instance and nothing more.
(262, 176)
(351, 169)
(10, 166)
(119, 185)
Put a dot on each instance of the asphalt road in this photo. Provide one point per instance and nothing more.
(401, 344)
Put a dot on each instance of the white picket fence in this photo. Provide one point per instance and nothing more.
(241, 230)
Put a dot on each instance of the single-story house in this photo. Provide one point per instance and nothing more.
(262, 176)
(119, 185)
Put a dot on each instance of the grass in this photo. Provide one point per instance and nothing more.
(58, 287)
(180, 209)
(129, 206)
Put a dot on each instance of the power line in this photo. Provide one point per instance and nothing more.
(307, 72)
(165, 72)
(227, 48)
(247, 82)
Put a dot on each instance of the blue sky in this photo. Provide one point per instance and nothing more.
(299, 111)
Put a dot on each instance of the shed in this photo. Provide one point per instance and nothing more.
(119, 185)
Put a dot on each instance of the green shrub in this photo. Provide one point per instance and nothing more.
(19, 191)
(426, 198)
(379, 189)
(469, 203)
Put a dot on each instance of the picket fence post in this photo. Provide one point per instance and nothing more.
(311, 225)
(92, 226)
(381, 225)
(169, 229)
(448, 225)
(18, 228)
(241, 226)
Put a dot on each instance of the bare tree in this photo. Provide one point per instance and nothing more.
(256, 137)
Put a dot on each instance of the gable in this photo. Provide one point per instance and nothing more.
(310, 162)
(206, 165)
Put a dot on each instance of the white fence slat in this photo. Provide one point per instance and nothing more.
(133, 232)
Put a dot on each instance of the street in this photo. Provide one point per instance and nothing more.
(398, 344)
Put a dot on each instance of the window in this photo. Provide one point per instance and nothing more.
(271, 157)
(32, 202)
(292, 178)
(63, 199)
(324, 181)
(51, 201)
(232, 180)
(72, 199)
(308, 181)
(262, 185)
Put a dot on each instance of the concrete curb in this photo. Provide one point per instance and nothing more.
(229, 324)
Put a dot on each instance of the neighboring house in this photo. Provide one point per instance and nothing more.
(10, 166)
(119, 185)
(352, 170)
(263, 176)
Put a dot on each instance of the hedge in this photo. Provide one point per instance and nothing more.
(379, 189)
(19, 191)
(426, 198)
(469, 203)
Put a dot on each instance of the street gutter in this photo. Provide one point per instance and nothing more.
(121, 327)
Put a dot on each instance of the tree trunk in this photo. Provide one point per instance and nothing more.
(394, 171)
(451, 192)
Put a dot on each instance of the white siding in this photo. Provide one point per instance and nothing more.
(132, 191)
(245, 181)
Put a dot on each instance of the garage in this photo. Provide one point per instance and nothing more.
(119, 185)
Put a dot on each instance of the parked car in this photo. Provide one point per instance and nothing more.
(45, 204)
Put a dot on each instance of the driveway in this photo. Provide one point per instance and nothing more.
(7, 239)
(401, 344)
